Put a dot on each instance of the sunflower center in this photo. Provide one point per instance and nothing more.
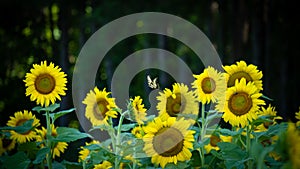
(238, 75)
(100, 109)
(44, 83)
(175, 106)
(267, 124)
(208, 85)
(240, 103)
(20, 122)
(168, 142)
(214, 140)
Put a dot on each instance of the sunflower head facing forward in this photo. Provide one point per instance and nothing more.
(19, 119)
(241, 103)
(242, 70)
(99, 107)
(179, 101)
(210, 85)
(45, 83)
(168, 141)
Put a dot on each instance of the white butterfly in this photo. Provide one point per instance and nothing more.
(152, 83)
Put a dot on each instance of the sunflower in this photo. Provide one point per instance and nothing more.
(104, 165)
(269, 111)
(99, 107)
(210, 85)
(214, 139)
(138, 131)
(179, 101)
(6, 145)
(17, 120)
(297, 116)
(139, 112)
(241, 103)
(58, 147)
(45, 83)
(84, 152)
(168, 141)
(292, 144)
(242, 70)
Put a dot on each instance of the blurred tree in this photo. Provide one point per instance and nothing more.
(264, 33)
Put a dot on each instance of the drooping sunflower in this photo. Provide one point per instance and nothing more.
(6, 145)
(99, 107)
(139, 112)
(84, 152)
(241, 103)
(104, 165)
(168, 141)
(17, 120)
(45, 83)
(58, 147)
(179, 101)
(214, 139)
(272, 113)
(210, 85)
(242, 70)
(297, 116)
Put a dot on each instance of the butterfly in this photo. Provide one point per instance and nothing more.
(152, 83)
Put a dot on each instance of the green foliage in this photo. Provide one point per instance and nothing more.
(66, 134)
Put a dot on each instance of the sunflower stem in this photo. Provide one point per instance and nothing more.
(48, 141)
(202, 134)
(248, 146)
(118, 139)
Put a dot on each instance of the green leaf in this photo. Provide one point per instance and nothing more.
(233, 155)
(31, 148)
(41, 155)
(266, 97)
(50, 108)
(126, 127)
(56, 115)
(66, 134)
(25, 127)
(58, 165)
(100, 127)
(17, 161)
(227, 132)
(72, 165)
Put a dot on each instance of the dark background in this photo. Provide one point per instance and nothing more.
(261, 32)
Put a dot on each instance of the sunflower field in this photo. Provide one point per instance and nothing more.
(222, 121)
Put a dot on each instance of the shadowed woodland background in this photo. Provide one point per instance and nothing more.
(261, 32)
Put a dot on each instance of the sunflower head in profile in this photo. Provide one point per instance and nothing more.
(20, 118)
(168, 141)
(214, 139)
(272, 116)
(45, 83)
(99, 107)
(297, 116)
(104, 165)
(58, 147)
(6, 144)
(241, 103)
(179, 101)
(84, 152)
(210, 85)
(138, 131)
(138, 112)
(242, 70)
